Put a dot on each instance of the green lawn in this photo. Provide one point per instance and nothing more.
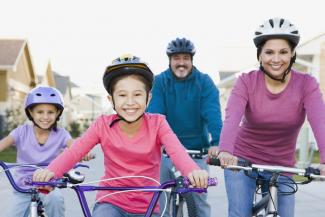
(8, 155)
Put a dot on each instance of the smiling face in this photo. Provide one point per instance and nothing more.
(44, 115)
(130, 97)
(275, 56)
(181, 64)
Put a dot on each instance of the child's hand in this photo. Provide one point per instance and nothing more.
(43, 175)
(199, 178)
(89, 157)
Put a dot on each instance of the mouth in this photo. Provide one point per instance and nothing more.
(181, 67)
(130, 111)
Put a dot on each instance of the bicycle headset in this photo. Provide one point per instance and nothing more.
(277, 28)
(123, 66)
(44, 95)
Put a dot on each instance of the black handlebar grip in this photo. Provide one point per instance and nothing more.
(240, 162)
(213, 161)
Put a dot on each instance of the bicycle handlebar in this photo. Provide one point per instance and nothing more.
(7, 166)
(182, 185)
(309, 172)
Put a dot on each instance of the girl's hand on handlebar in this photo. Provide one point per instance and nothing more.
(227, 159)
(199, 178)
(43, 175)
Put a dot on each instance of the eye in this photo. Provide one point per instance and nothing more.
(268, 52)
(284, 52)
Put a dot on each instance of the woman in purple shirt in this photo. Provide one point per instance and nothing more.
(265, 112)
(39, 143)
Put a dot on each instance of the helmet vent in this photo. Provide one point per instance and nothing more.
(258, 33)
(294, 32)
(271, 23)
(281, 22)
(38, 94)
(53, 94)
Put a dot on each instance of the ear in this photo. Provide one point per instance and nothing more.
(110, 99)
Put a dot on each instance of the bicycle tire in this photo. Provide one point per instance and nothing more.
(188, 207)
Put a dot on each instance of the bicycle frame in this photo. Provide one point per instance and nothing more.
(80, 190)
(177, 201)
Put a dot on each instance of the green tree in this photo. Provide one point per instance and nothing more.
(74, 129)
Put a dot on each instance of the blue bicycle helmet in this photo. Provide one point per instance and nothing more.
(126, 65)
(44, 95)
(180, 46)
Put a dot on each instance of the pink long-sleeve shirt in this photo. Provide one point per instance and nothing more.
(124, 156)
(263, 127)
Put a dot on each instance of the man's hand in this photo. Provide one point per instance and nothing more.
(213, 151)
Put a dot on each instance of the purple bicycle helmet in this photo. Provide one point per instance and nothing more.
(44, 95)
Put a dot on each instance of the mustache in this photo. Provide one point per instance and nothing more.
(184, 66)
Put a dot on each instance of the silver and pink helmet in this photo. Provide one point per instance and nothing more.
(44, 95)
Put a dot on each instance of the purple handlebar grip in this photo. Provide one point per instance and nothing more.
(211, 181)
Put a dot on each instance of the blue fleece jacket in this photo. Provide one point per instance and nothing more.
(191, 106)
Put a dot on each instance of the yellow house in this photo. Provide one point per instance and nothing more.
(17, 78)
(17, 75)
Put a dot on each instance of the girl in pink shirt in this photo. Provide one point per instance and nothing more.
(131, 141)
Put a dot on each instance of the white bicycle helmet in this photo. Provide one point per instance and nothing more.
(276, 28)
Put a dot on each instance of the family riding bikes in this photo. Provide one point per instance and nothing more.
(264, 114)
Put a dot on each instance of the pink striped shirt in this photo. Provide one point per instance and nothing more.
(263, 127)
(123, 156)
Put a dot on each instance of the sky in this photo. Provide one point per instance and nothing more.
(81, 37)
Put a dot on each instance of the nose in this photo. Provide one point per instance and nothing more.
(276, 58)
(130, 100)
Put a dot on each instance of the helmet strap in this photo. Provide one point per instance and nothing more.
(284, 74)
(53, 126)
(121, 118)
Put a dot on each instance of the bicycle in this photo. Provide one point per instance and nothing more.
(36, 205)
(184, 204)
(267, 205)
(181, 185)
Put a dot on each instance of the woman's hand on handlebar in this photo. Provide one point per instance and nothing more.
(227, 159)
(199, 178)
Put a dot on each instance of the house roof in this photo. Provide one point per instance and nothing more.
(63, 82)
(10, 51)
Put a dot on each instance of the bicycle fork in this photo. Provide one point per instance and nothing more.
(36, 205)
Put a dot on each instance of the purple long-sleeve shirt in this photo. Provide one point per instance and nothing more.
(263, 127)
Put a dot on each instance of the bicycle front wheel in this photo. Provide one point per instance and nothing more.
(187, 207)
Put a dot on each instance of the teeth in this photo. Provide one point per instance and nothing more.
(130, 111)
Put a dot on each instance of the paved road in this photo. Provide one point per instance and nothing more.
(310, 199)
